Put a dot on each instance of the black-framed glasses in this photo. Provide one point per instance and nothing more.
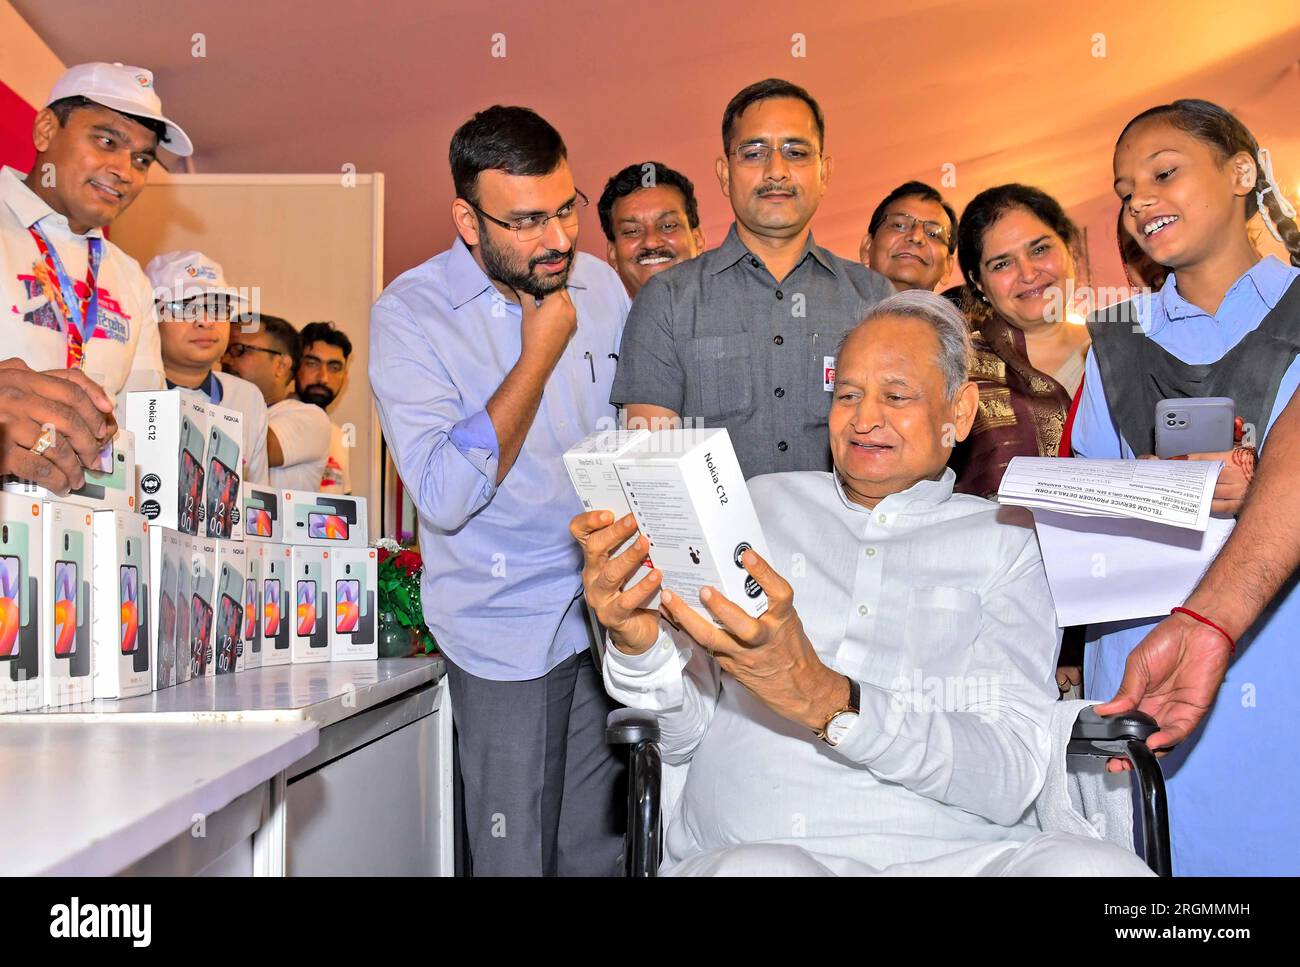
(755, 154)
(902, 223)
(238, 349)
(532, 227)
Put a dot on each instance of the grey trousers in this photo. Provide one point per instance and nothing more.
(543, 794)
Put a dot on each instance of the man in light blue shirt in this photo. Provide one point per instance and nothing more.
(487, 363)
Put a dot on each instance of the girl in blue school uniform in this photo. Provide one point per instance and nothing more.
(1190, 177)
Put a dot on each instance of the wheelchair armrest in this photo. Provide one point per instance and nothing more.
(631, 726)
(1124, 736)
(1090, 728)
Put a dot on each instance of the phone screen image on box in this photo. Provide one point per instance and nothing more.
(228, 634)
(258, 522)
(225, 494)
(271, 608)
(166, 623)
(327, 527)
(347, 608)
(306, 608)
(11, 602)
(200, 625)
(65, 608)
(130, 597)
(191, 492)
(250, 609)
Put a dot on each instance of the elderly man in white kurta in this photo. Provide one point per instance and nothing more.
(889, 712)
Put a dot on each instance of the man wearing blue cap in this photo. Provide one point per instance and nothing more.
(81, 319)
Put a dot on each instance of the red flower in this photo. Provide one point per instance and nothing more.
(384, 554)
(409, 561)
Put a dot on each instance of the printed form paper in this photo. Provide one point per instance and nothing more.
(1121, 539)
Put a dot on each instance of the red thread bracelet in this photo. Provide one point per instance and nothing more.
(1232, 645)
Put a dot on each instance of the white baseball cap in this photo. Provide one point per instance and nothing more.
(127, 90)
(177, 276)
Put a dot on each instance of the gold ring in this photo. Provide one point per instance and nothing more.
(43, 442)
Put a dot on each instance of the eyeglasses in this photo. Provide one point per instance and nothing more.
(215, 306)
(238, 349)
(755, 154)
(532, 227)
(902, 223)
(334, 366)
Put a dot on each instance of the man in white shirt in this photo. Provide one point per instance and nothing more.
(266, 351)
(195, 306)
(322, 374)
(898, 721)
(76, 301)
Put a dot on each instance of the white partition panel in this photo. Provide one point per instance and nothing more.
(312, 244)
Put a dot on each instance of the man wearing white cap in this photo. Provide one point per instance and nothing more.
(74, 303)
(195, 306)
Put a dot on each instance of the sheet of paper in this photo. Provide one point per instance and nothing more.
(1172, 492)
(1114, 569)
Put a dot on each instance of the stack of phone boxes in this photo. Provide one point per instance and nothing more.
(315, 555)
(165, 566)
(74, 576)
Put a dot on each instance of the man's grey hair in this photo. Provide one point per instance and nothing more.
(947, 321)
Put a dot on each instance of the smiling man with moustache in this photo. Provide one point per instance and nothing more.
(81, 308)
(911, 238)
(744, 336)
(651, 221)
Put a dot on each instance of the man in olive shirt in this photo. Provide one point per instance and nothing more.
(745, 335)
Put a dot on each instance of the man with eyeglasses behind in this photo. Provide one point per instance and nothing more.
(488, 362)
(911, 238)
(195, 307)
(266, 350)
(326, 352)
(745, 335)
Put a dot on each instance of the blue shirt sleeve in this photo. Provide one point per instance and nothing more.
(1094, 433)
(447, 458)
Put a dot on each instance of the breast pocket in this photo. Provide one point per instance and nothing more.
(724, 376)
(819, 373)
(942, 625)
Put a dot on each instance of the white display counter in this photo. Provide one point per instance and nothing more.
(332, 768)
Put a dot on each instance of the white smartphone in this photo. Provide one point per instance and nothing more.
(1195, 425)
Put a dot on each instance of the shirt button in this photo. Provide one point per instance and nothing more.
(779, 294)
(778, 340)
(883, 518)
(753, 261)
(779, 392)
(871, 552)
(783, 446)
(863, 609)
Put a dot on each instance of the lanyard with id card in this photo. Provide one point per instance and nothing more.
(80, 314)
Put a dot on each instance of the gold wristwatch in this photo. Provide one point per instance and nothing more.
(838, 725)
